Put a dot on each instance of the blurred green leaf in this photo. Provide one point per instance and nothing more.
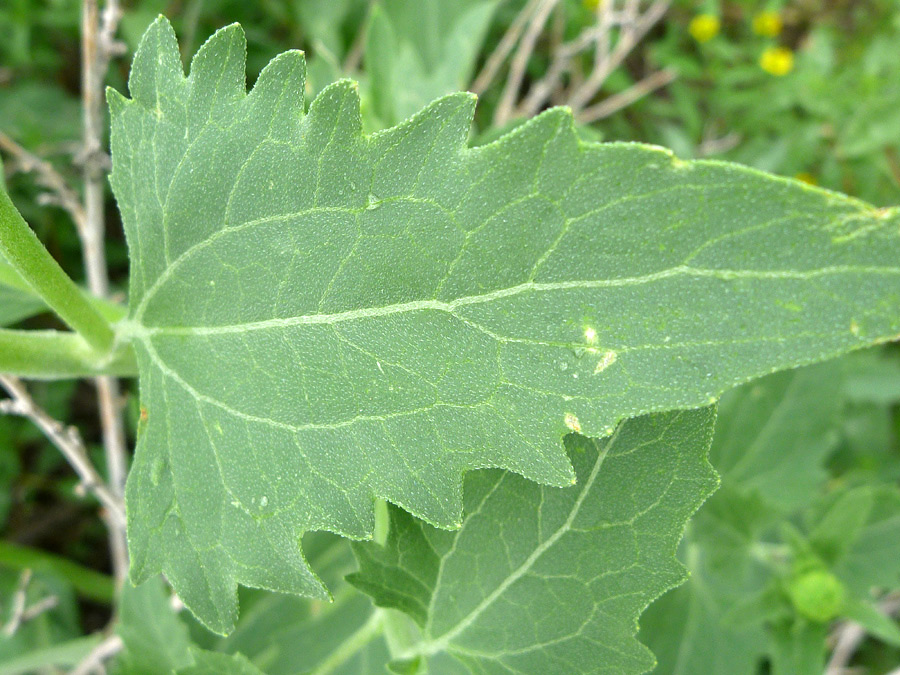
(798, 648)
(284, 634)
(418, 52)
(156, 640)
(774, 434)
(211, 663)
(64, 654)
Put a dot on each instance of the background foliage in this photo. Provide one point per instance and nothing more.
(807, 521)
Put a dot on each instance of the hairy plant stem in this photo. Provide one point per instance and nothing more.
(97, 48)
(37, 267)
(54, 355)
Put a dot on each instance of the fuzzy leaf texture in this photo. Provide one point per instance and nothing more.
(322, 317)
(542, 580)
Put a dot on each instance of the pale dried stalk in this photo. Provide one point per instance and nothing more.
(20, 614)
(541, 90)
(38, 608)
(67, 440)
(633, 27)
(98, 47)
(628, 40)
(625, 98)
(716, 146)
(850, 635)
(18, 605)
(355, 55)
(93, 662)
(520, 61)
(495, 60)
(48, 177)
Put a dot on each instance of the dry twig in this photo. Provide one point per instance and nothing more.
(495, 60)
(629, 38)
(48, 177)
(98, 47)
(355, 55)
(93, 662)
(20, 614)
(625, 98)
(631, 26)
(38, 608)
(18, 604)
(67, 440)
(510, 94)
(849, 635)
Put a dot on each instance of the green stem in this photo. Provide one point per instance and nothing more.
(111, 311)
(54, 355)
(33, 262)
(88, 583)
(382, 522)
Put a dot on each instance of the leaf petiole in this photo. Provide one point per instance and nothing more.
(33, 262)
(55, 355)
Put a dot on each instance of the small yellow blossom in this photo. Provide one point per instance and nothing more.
(777, 61)
(704, 27)
(591, 5)
(767, 24)
(807, 178)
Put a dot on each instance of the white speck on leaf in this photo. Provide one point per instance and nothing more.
(608, 358)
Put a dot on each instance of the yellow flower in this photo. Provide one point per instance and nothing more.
(591, 4)
(807, 178)
(767, 24)
(777, 61)
(704, 27)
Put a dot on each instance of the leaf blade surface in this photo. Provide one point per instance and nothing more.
(322, 317)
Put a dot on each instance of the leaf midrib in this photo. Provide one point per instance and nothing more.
(136, 329)
(439, 644)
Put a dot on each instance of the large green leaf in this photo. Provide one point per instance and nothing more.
(542, 580)
(322, 317)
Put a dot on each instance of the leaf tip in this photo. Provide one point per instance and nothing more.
(282, 83)
(116, 101)
(157, 63)
(219, 66)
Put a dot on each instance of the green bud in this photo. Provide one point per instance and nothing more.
(817, 595)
